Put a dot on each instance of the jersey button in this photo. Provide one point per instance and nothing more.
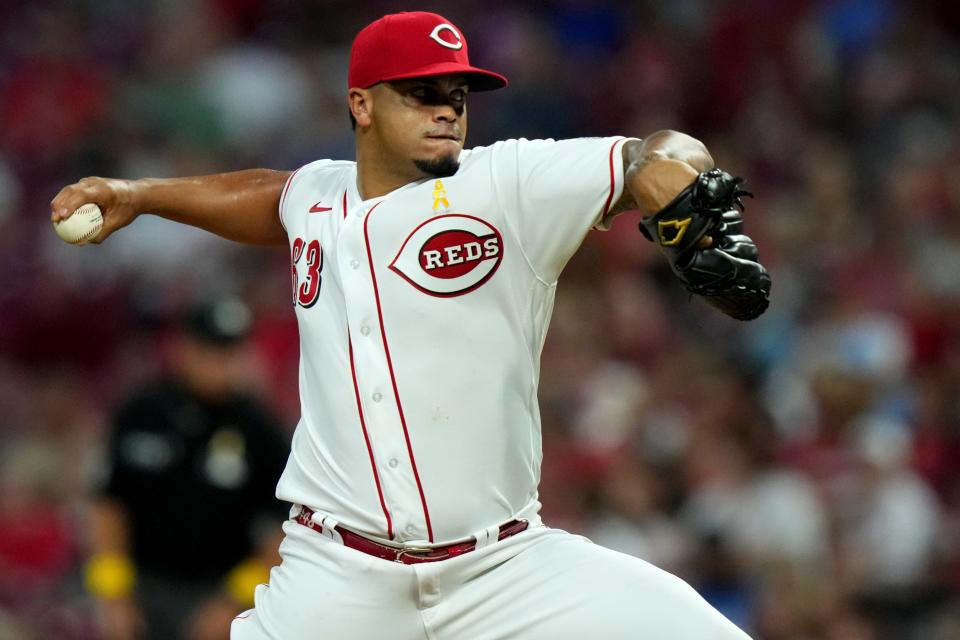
(393, 463)
(377, 397)
(354, 264)
(365, 330)
(410, 530)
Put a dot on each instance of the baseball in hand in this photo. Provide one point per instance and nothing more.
(81, 227)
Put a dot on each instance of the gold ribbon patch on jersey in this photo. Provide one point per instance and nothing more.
(440, 202)
(671, 232)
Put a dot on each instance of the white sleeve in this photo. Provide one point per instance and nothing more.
(283, 197)
(564, 188)
(312, 167)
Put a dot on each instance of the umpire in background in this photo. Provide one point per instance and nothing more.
(179, 533)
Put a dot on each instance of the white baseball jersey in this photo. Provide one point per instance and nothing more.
(422, 316)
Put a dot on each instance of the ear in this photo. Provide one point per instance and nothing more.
(361, 102)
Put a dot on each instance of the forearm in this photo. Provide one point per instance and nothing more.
(109, 529)
(661, 166)
(673, 145)
(241, 206)
(109, 572)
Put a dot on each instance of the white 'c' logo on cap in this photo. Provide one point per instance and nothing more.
(440, 28)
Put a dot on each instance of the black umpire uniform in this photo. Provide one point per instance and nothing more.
(195, 475)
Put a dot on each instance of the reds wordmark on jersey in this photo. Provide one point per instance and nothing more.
(422, 315)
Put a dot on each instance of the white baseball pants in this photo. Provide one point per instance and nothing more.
(541, 583)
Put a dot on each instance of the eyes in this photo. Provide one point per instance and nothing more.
(430, 95)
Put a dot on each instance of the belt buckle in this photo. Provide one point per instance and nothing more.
(410, 551)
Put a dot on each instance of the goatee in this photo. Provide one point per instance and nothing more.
(438, 167)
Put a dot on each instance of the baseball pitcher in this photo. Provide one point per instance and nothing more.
(423, 279)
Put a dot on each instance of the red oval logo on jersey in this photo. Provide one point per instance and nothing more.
(449, 255)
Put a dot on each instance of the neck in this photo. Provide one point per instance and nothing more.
(377, 176)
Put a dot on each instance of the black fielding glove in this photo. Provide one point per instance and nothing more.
(726, 274)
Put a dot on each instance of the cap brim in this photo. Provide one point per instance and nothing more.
(477, 79)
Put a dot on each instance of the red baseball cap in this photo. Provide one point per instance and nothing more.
(414, 44)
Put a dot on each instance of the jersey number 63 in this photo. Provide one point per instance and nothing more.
(306, 293)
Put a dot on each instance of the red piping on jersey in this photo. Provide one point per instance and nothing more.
(393, 377)
(613, 185)
(366, 439)
(283, 196)
(363, 423)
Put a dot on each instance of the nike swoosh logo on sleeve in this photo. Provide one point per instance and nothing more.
(319, 208)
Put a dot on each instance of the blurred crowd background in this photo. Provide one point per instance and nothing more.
(802, 471)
